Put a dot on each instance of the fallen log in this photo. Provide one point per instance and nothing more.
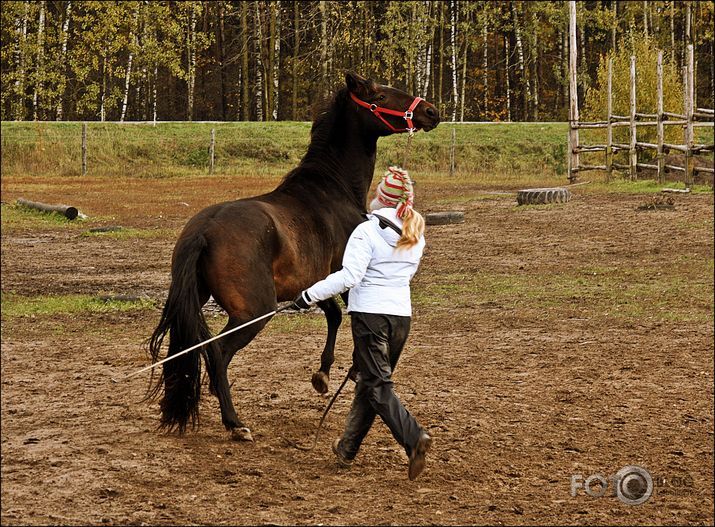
(67, 211)
(444, 218)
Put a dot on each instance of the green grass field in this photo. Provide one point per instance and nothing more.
(175, 149)
(492, 153)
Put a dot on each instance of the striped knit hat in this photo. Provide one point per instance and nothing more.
(394, 190)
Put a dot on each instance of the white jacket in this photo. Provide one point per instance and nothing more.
(377, 274)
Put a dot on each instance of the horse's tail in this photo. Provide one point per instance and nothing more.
(183, 319)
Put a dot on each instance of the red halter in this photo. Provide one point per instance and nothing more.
(377, 111)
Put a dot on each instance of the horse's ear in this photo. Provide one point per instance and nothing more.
(359, 85)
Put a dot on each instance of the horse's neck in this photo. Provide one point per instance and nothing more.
(347, 152)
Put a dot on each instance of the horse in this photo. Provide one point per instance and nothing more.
(251, 253)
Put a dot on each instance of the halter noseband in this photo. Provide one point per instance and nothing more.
(377, 111)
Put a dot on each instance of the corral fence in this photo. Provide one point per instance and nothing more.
(692, 117)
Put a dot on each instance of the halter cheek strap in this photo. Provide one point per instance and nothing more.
(377, 111)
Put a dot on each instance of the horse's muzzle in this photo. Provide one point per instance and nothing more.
(428, 118)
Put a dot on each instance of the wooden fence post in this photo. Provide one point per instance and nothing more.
(573, 96)
(84, 149)
(633, 153)
(212, 150)
(609, 124)
(451, 152)
(659, 119)
(689, 101)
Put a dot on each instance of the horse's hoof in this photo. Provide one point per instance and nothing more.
(241, 434)
(320, 382)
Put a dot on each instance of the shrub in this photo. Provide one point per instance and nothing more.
(646, 54)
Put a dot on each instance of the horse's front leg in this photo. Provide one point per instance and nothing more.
(334, 316)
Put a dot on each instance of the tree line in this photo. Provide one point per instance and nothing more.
(271, 60)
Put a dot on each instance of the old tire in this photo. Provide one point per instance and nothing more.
(542, 196)
(444, 218)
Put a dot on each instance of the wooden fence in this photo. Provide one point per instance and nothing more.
(692, 117)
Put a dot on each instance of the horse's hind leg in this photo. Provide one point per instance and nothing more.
(219, 358)
(334, 316)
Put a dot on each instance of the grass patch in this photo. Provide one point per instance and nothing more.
(499, 152)
(642, 186)
(496, 155)
(604, 292)
(144, 150)
(19, 306)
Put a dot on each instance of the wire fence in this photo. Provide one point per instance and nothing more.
(93, 148)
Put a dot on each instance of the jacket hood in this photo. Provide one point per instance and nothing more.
(388, 234)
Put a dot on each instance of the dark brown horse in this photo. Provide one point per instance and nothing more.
(252, 253)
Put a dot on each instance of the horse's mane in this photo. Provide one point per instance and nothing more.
(318, 165)
(325, 115)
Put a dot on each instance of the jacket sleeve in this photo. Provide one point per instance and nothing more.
(358, 253)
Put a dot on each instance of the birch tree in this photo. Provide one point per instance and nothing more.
(63, 59)
(191, 64)
(507, 54)
(464, 76)
(453, 51)
(128, 74)
(323, 46)
(245, 103)
(39, 68)
(259, 63)
(485, 64)
(425, 40)
(520, 56)
(440, 83)
(294, 62)
(276, 56)
(221, 49)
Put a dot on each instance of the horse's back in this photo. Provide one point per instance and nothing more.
(272, 241)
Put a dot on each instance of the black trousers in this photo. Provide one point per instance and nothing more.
(379, 340)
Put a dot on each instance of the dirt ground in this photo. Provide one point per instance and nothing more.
(520, 390)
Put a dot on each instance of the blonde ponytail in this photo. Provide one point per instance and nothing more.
(413, 227)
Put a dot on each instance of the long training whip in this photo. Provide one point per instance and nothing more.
(325, 413)
(192, 348)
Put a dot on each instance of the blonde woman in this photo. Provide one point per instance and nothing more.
(381, 257)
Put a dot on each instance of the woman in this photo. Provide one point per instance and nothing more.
(381, 257)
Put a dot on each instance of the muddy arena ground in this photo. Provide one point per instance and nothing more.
(547, 342)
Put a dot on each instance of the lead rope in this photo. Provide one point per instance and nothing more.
(408, 145)
(325, 413)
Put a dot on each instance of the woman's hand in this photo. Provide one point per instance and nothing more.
(302, 302)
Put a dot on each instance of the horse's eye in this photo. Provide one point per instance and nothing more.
(381, 97)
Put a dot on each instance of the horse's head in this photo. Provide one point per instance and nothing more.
(393, 110)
